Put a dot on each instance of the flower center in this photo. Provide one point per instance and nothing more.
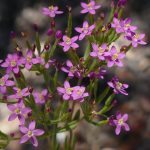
(2, 81)
(100, 50)
(69, 90)
(120, 121)
(73, 69)
(51, 8)
(115, 56)
(28, 59)
(68, 41)
(30, 133)
(17, 111)
(127, 25)
(136, 36)
(86, 28)
(13, 63)
(119, 85)
(41, 97)
(90, 6)
(19, 92)
(79, 92)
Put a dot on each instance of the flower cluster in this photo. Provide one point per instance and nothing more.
(112, 56)
(72, 93)
(124, 26)
(48, 108)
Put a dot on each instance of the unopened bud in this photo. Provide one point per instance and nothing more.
(50, 32)
(12, 34)
(59, 34)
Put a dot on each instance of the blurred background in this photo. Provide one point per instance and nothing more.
(19, 16)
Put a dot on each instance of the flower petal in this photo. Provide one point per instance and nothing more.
(38, 132)
(34, 141)
(24, 139)
(32, 125)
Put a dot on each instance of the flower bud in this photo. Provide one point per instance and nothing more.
(12, 34)
(69, 109)
(30, 89)
(112, 4)
(124, 49)
(109, 26)
(102, 16)
(50, 32)
(122, 3)
(52, 24)
(59, 34)
(35, 27)
(29, 114)
(17, 75)
(48, 110)
(46, 47)
(116, 15)
(12, 134)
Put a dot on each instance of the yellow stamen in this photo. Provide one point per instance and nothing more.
(69, 90)
(13, 63)
(68, 41)
(30, 133)
(51, 7)
(120, 121)
(17, 111)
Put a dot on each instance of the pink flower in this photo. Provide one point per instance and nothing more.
(123, 26)
(69, 43)
(66, 91)
(116, 25)
(115, 57)
(41, 97)
(126, 25)
(29, 60)
(85, 30)
(117, 86)
(100, 51)
(12, 63)
(19, 93)
(18, 110)
(72, 93)
(71, 69)
(51, 11)
(90, 7)
(120, 122)
(136, 39)
(30, 133)
(79, 93)
(4, 83)
(100, 74)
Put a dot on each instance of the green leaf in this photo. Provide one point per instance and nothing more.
(77, 115)
(38, 45)
(52, 50)
(69, 30)
(87, 52)
(29, 46)
(103, 95)
(100, 123)
(109, 100)
(3, 140)
(69, 126)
